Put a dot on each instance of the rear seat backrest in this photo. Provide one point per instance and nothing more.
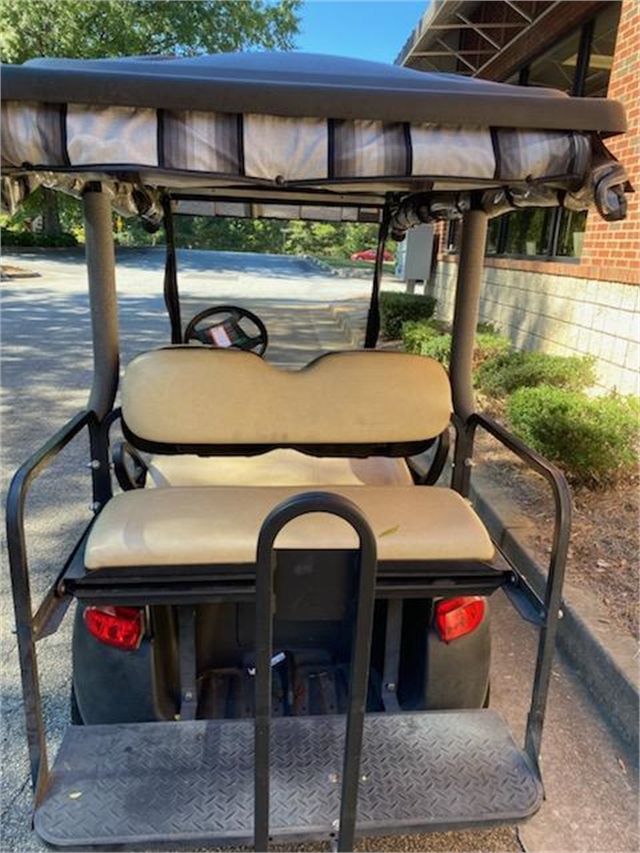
(213, 401)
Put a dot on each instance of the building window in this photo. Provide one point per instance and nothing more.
(527, 232)
(580, 65)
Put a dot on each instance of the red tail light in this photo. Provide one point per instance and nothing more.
(121, 627)
(456, 617)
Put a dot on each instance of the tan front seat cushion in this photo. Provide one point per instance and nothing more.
(220, 525)
(281, 467)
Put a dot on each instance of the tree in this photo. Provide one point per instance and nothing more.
(328, 239)
(103, 28)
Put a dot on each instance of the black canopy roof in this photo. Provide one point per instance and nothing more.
(299, 84)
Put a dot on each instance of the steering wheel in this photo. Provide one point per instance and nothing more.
(233, 327)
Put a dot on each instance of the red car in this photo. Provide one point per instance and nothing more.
(370, 255)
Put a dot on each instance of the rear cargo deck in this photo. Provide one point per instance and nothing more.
(193, 781)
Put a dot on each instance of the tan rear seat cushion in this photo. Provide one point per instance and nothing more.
(220, 525)
(199, 396)
(281, 467)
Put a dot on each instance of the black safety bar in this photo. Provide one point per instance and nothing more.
(266, 565)
(30, 627)
(550, 611)
(373, 317)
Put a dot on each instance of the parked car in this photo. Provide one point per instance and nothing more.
(370, 255)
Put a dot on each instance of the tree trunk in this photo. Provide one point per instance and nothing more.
(50, 213)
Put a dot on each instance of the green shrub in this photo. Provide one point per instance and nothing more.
(508, 371)
(429, 338)
(595, 440)
(489, 345)
(16, 238)
(416, 332)
(27, 238)
(438, 347)
(62, 239)
(488, 328)
(397, 308)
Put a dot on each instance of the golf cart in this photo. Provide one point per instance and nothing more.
(282, 626)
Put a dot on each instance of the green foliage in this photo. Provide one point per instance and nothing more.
(329, 239)
(99, 28)
(594, 440)
(431, 338)
(488, 328)
(397, 308)
(103, 28)
(415, 333)
(26, 238)
(230, 235)
(438, 347)
(270, 236)
(500, 376)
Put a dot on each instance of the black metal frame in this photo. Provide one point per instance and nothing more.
(373, 318)
(171, 294)
(32, 627)
(265, 606)
(187, 586)
(547, 608)
(432, 475)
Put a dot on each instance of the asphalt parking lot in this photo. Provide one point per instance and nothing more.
(46, 349)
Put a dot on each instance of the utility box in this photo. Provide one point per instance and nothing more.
(418, 253)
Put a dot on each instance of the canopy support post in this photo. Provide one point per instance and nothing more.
(101, 271)
(103, 301)
(373, 318)
(465, 320)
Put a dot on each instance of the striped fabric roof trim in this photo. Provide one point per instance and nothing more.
(277, 149)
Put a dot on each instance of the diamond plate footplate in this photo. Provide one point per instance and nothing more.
(193, 781)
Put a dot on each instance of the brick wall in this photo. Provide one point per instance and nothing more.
(616, 246)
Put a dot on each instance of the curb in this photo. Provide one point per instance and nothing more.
(609, 671)
(320, 264)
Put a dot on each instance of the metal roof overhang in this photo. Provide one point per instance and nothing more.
(440, 41)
